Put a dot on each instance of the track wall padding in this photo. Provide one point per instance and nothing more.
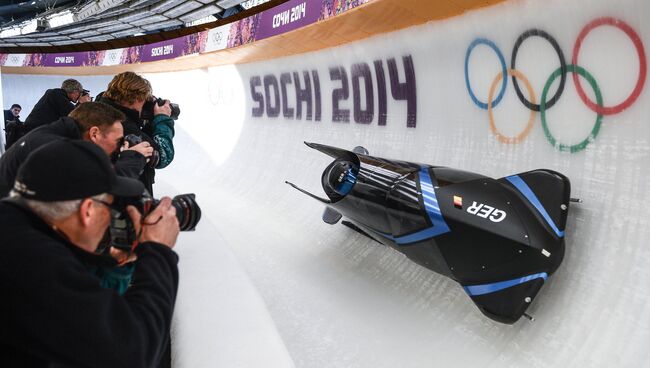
(340, 300)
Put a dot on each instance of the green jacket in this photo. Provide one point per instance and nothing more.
(163, 134)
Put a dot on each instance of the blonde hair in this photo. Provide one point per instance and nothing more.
(128, 87)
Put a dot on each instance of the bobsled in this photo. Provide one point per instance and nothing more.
(500, 239)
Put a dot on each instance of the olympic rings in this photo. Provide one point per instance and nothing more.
(642, 65)
(494, 47)
(502, 138)
(575, 69)
(560, 54)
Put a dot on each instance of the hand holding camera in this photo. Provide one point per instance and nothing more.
(84, 97)
(164, 109)
(156, 106)
(126, 221)
(160, 226)
(136, 143)
(143, 148)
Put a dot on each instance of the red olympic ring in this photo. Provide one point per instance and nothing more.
(609, 110)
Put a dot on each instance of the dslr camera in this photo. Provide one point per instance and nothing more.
(147, 109)
(121, 230)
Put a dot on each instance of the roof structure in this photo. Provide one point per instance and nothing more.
(54, 24)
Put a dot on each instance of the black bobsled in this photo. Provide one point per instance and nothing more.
(499, 238)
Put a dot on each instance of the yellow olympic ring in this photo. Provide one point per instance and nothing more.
(502, 138)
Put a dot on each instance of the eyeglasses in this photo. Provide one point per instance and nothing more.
(114, 212)
(109, 205)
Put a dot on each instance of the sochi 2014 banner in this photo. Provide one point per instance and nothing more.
(567, 83)
(283, 18)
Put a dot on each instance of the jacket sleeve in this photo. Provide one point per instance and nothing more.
(163, 135)
(59, 310)
(61, 103)
(130, 164)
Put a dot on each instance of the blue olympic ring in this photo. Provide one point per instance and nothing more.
(504, 71)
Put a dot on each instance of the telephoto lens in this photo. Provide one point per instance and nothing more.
(187, 211)
(122, 231)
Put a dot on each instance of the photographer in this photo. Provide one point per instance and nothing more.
(14, 128)
(56, 103)
(54, 312)
(13, 114)
(92, 121)
(129, 92)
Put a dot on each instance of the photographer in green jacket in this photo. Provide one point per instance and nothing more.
(132, 94)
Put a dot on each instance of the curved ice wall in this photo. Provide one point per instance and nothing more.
(421, 94)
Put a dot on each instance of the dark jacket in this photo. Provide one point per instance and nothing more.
(129, 163)
(159, 134)
(14, 129)
(54, 312)
(53, 105)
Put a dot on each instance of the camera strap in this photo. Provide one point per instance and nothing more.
(136, 242)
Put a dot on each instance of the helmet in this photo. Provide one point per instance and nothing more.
(342, 176)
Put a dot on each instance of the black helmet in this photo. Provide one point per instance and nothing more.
(341, 176)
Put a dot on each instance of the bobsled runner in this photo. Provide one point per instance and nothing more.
(500, 239)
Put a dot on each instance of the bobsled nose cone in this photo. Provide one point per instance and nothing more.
(506, 301)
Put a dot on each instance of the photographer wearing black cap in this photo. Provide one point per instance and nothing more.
(56, 103)
(129, 93)
(53, 311)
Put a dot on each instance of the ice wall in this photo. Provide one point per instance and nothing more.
(340, 300)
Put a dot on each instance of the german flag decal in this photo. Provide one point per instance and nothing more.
(458, 202)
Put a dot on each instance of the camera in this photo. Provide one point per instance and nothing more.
(147, 109)
(134, 139)
(86, 92)
(122, 231)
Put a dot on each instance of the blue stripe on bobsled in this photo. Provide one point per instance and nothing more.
(496, 286)
(427, 233)
(433, 211)
(431, 203)
(532, 198)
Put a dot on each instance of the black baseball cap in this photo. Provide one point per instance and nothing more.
(71, 169)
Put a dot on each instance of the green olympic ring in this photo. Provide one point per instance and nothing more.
(599, 101)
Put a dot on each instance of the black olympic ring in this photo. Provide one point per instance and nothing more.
(560, 54)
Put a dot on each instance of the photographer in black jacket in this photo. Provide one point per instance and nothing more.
(128, 93)
(56, 103)
(92, 121)
(53, 311)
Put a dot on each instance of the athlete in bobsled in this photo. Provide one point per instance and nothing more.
(499, 238)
